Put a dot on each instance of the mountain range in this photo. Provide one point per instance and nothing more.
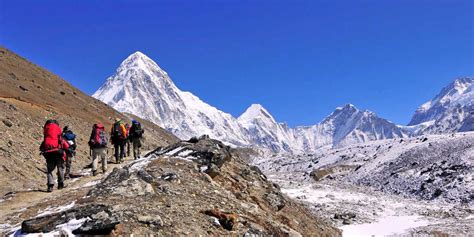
(140, 87)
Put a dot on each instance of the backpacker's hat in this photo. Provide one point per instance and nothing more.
(117, 120)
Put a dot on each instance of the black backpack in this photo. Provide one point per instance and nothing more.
(137, 130)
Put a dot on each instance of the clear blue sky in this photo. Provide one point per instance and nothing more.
(300, 59)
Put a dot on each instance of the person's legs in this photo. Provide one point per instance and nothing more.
(70, 157)
(103, 155)
(122, 151)
(128, 147)
(116, 152)
(50, 166)
(136, 148)
(60, 165)
(139, 145)
(95, 160)
(139, 155)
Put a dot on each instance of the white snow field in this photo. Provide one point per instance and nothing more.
(385, 226)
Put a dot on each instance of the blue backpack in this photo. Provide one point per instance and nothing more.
(69, 136)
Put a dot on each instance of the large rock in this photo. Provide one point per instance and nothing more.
(100, 220)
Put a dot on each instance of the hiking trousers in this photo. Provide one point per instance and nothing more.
(54, 160)
(128, 147)
(69, 159)
(119, 153)
(136, 148)
(102, 154)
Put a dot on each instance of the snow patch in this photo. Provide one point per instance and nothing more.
(91, 183)
(51, 210)
(63, 229)
(388, 225)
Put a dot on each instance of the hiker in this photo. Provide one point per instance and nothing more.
(70, 138)
(135, 135)
(52, 148)
(127, 127)
(118, 136)
(98, 147)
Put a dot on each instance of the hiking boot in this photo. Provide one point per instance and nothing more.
(94, 172)
(61, 186)
(50, 188)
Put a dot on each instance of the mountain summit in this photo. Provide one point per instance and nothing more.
(264, 131)
(347, 125)
(451, 110)
(255, 111)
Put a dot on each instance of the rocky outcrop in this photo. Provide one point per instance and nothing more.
(96, 220)
(197, 187)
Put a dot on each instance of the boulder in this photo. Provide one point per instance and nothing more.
(99, 220)
(150, 220)
(275, 200)
(226, 219)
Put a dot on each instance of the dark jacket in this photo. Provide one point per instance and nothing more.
(133, 134)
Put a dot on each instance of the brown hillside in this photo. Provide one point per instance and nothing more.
(29, 95)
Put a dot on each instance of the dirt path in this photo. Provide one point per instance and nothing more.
(23, 204)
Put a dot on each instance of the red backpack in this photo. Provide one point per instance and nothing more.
(52, 137)
(98, 137)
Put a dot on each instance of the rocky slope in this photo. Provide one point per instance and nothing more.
(425, 182)
(29, 95)
(199, 187)
(436, 167)
(139, 86)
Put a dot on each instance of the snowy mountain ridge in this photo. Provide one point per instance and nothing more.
(139, 86)
(347, 125)
(452, 110)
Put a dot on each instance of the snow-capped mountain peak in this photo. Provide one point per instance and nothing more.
(264, 131)
(451, 110)
(140, 63)
(461, 91)
(347, 106)
(255, 111)
(139, 86)
(452, 93)
(342, 113)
